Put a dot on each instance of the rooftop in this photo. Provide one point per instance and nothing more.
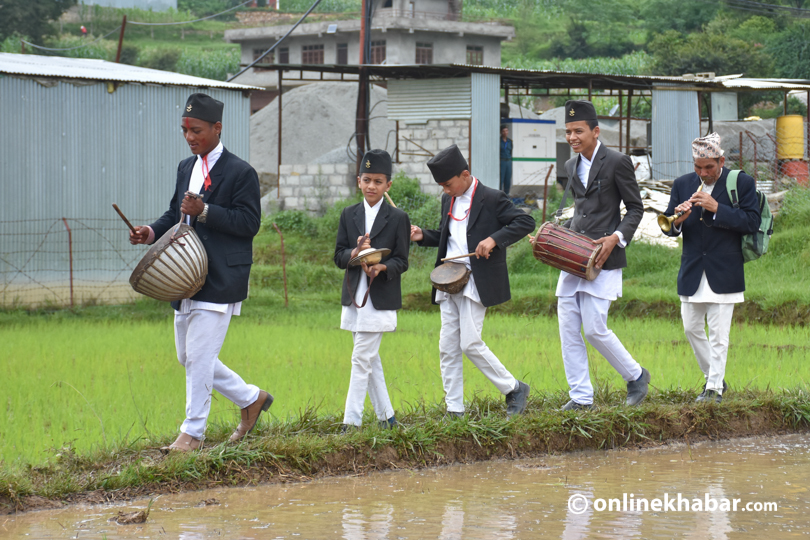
(32, 65)
(531, 78)
(409, 24)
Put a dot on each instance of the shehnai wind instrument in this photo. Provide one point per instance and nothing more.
(665, 222)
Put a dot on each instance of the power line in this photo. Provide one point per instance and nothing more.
(138, 23)
(195, 20)
(276, 44)
(760, 7)
(70, 48)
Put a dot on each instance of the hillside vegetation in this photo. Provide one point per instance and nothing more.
(636, 37)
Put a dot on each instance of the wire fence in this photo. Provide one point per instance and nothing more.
(66, 262)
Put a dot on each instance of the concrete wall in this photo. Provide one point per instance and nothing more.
(315, 187)
(400, 47)
(433, 136)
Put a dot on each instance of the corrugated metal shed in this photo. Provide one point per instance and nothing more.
(33, 65)
(675, 124)
(70, 149)
(486, 93)
(417, 101)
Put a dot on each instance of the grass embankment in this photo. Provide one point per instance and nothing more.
(99, 385)
(309, 446)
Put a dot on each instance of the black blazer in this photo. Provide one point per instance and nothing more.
(715, 249)
(596, 206)
(392, 230)
(234, 218)
(491, 214)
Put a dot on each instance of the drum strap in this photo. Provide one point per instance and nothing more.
(351, 292)
(565, 196)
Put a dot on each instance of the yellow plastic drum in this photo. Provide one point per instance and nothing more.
(790, 136)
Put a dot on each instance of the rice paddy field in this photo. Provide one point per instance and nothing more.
(101, 383)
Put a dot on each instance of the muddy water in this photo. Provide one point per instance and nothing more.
(498, 500)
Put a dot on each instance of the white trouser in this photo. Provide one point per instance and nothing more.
(462, 322)
(711, 353)
(584, 312)
(367, 376)
(198, 336)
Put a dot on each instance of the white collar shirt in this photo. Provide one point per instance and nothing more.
(457, 241)
(197, 180)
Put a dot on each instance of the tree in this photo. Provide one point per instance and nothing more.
(675, 54)
(790, 51)
(30, 18)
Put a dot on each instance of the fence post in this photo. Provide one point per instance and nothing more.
(283, 265)
(70, 253)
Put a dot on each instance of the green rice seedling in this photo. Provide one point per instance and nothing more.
(95, 385)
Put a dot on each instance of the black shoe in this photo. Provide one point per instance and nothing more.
(516, 399)
(574, 406)
(703, 393)
(709, 396)
(637, 390)
(389, 424)
(348, 428)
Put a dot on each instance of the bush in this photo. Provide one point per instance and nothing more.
(790, 51)
(162, 59)
(292, 221)
(795, 210)
(209, 64)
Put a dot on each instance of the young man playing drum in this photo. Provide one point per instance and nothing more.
(226, 218)
(371, 294)
(600, 179)
(473, 216)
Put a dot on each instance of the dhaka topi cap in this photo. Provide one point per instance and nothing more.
(447, 164)
(707, 147)
(578, 110)
(203, 107)
(376, 162)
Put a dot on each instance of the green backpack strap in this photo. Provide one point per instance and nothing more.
(731, 187)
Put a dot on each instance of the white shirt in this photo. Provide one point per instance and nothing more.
(195, 184)
(457, 242)
(608, 284)
(367, 319)
(704, 293)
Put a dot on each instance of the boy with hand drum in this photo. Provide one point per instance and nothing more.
(474, 217)
(371, 292)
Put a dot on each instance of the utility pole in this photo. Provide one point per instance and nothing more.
(361, 122)
(121, 40)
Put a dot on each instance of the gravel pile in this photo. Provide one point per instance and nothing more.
(317, 124)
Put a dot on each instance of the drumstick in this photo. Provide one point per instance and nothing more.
(387, 196)
(120, 213)
(458, 257)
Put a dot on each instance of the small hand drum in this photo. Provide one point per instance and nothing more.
(369, 256)
(450, 277)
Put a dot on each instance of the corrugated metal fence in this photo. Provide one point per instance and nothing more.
(70, 151)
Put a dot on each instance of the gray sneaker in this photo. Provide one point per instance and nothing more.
(453, 414)
(516, 399)
(637, 390)
(574, 406)
(708, 396)
(702, 395)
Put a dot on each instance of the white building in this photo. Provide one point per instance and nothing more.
(419, 32)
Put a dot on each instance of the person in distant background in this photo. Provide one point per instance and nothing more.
(83, 31)
(506, 160)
